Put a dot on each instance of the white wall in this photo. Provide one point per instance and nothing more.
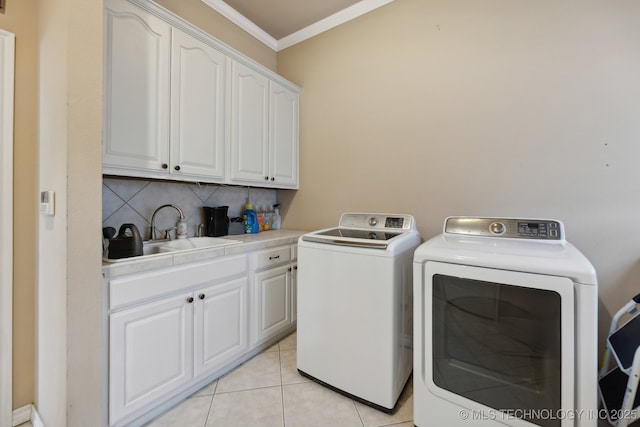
(69, 353)
(51, 391)
(496, 108)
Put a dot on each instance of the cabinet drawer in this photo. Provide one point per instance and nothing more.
(144, 286)
(272, 257)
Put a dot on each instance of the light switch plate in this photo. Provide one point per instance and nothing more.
(47, 202)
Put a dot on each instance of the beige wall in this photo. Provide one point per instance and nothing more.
(20, 19)
(59, 60)
(498, 108)
(433, 108)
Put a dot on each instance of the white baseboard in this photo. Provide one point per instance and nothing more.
(27, 413)
(22, 415)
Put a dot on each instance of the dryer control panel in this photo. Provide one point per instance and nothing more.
(514, 228)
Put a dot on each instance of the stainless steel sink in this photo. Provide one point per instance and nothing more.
(152, 247)
(158, 247)
(195, 243)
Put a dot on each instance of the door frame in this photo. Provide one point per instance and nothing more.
(7, 63)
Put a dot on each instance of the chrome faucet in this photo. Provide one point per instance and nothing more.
(153, 219)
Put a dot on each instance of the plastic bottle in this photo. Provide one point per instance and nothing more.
(268, 218)
(275, 224)
(250, 220)
(181, 229)
(260, 214)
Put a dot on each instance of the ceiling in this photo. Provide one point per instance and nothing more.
(283, 23)
(280, 18)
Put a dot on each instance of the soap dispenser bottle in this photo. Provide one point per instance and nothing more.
(181, 229)
(276, 217)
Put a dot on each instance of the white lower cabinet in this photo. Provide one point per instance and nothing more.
(273, 301)
(173, 329)
(294, 293)
(151, 353)
(221, 325)
(273, 292)
(160, 346)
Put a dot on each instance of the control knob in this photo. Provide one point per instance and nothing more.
(497, 228)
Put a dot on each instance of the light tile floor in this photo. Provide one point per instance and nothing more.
(268, 391)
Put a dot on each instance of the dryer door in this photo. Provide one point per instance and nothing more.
(500, 342)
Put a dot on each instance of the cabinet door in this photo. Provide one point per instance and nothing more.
(198, 78)
(283, 136)
(150, 353)
(294, 293)
(249, 125)
(136, 89)
(221, 328)
(273, 301)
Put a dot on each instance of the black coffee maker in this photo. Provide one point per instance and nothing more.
(216, 220)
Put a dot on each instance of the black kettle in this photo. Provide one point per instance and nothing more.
(125, 245)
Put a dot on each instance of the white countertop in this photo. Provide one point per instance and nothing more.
(249, 242)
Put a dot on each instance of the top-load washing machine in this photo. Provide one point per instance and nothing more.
(355, 306)
(505, 326)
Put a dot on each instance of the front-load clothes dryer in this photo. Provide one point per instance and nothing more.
(355, 306)
(505, 326)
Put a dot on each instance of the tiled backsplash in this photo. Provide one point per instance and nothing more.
(128, 200)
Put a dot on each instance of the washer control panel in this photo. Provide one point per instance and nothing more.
(538, 229)
(377, 221)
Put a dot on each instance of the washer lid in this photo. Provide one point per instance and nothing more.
(367, 230)
(375, 239)
(358, 234)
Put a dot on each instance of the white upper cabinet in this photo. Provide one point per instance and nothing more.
(136, 89)
(180, 105)
(249, 125)
(198, 79)
(283, 136)
(264, 130)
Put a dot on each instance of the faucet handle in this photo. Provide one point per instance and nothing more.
(167, 231)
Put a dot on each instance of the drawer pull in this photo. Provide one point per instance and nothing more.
(274, 257)
(201, 296)
(190, 300)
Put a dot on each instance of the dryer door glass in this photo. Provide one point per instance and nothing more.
(499, 345)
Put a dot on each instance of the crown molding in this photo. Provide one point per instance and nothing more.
(338, 18)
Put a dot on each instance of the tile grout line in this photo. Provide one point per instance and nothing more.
(206, 419)
(284, 422)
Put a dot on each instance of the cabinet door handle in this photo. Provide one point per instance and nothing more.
(295, 267)
(177, 167)
(289, 268)
(190, 300)
(164, 166)
(274, 257)
(201, 296)
(272, 178)
(266, 178)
